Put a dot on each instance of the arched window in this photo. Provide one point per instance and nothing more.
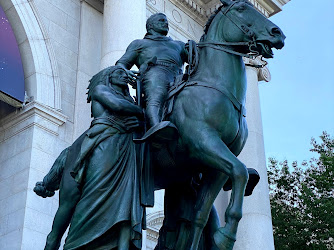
(11, 70)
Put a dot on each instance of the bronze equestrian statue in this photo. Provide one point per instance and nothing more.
(207, 107)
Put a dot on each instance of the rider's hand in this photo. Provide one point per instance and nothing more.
(133, 76)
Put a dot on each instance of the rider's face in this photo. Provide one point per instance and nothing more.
(119, 77)
(160, 25)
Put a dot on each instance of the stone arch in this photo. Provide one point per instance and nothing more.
(39, 65)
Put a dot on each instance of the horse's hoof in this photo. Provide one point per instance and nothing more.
(223, 240)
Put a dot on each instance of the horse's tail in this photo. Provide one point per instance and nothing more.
(51, 181)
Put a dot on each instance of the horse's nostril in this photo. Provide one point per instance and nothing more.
(275, 31)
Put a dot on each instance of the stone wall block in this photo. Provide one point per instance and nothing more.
(68, 109)
(55, 15)
(14, 164)
(16, 143)
(43, 140)
(68, 92)
(20, 181)
(66, 135)
(67, 75)
(3, 224)
(16, 202)
(63, 37)
(71, 58)
(44, 95)
(73, 26)
(65, 55)
(32, 239)
(37, 221)
(12, 240)
(68, 7)
(15, 220)
(5, 191)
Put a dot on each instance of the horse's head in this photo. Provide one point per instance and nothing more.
(238, 21)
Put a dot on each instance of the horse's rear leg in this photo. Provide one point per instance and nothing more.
(215, 154)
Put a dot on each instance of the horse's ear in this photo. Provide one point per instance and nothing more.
(225, 2)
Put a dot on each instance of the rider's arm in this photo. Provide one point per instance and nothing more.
(131, 55)
(130, 58)
(109, 100)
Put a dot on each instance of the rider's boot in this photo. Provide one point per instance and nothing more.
(161, 133)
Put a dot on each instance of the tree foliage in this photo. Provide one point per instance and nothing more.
(302, 199)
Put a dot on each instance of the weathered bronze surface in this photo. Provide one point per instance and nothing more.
(98, 176)
(191, 161)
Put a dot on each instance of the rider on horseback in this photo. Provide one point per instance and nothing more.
(160, 60)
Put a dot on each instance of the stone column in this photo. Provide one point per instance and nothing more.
(255, 230)
(123, 22)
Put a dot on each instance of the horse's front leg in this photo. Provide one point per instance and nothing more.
(214, 154)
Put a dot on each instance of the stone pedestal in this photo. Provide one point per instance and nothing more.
(123, 22)
(255, 230)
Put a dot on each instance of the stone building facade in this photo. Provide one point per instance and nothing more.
(63, 43)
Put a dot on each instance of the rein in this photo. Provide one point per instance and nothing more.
(224, 46)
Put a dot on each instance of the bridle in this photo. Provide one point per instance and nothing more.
(225, 46)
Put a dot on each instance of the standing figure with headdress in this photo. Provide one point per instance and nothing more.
(98, 176)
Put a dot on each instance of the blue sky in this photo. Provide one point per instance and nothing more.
(298, 103)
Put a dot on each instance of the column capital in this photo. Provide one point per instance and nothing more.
(259, 65)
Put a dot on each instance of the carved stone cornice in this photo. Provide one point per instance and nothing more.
(32, 114)
(204, 8)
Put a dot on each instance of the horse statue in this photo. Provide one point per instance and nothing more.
(208, 110)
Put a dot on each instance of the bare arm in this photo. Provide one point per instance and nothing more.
(113, 103)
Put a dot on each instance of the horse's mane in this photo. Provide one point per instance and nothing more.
(208, 23)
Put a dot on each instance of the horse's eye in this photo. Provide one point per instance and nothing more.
(241, 8)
